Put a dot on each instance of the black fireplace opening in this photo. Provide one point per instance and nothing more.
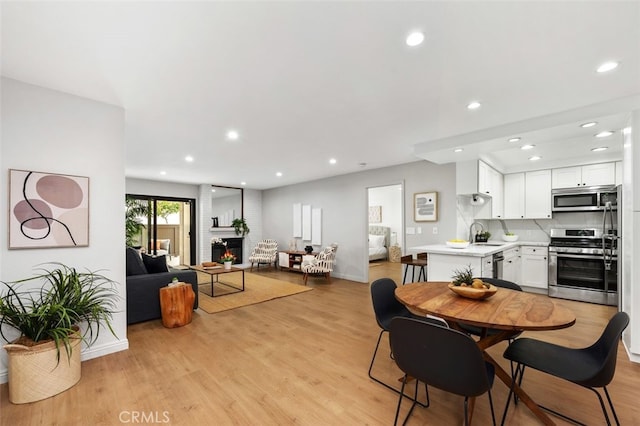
(234, 245)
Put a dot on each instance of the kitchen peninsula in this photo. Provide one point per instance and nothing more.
(443, 261)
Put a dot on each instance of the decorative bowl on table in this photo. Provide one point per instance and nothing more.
(473, 293)
(209, 264)
(459, 244)
(509, 238)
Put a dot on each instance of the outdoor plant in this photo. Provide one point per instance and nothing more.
(66, 300)
(135, 209)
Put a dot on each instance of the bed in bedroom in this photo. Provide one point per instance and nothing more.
(379, 237)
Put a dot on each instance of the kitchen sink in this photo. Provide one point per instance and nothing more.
(489, 244)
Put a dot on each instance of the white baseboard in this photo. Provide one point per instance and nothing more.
(97, 351)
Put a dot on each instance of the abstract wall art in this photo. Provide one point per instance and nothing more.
(425, 207)
(48, 210)
(375, 214)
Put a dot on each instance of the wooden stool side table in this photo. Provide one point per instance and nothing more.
(176, 304)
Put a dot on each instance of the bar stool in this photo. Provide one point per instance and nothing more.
(420, 261)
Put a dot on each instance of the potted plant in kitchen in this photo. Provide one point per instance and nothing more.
(240, 225)
(483, 236)
(45, 359)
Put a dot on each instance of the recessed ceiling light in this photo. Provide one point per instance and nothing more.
(188, 158)
(163, 173)
(600, 148)
(243, 183)
(535, 158)
(458, 150)
(213, 190)
(607, 66)
(525, 147)
(474, 105)
(589, 124)
(514, 139)
(362, 164)
(604, 134)
(233, 135)
(415, 38)
(279, 174)
(333, 161)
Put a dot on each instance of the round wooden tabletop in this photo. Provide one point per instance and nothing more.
(505, 310)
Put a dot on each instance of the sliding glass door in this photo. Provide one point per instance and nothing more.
(167, 227)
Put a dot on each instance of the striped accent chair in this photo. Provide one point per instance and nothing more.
(321, 264)
(265, 252)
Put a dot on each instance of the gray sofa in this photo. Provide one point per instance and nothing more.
(143, 286)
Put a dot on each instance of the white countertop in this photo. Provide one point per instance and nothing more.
(478, 250)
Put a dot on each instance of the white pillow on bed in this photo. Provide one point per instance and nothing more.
(376, 241)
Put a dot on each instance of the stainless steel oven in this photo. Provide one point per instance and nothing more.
(583, 266)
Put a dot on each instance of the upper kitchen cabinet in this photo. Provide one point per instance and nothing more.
(477, 177)
(590, 175)
(514, 186)
(538, 194)
(527, 195)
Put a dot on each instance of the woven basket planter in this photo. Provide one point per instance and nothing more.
(35, 373)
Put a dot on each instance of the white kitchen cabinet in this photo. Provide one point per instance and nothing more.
(511, 265)
(534, 266)
(618, 172)
(538, 194)
(514, 189)
(589, 175)
(486, 268)
(477, 177)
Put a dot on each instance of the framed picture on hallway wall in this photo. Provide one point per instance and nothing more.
(48, 210)
(425, 207)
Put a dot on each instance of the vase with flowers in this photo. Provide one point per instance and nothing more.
(227, 259)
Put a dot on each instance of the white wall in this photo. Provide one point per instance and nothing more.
(49, 131)
(343, 200)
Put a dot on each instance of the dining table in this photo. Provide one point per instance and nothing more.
(506, 313)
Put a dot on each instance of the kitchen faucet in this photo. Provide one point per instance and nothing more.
(471, 239)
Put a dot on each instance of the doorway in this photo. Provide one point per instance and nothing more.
(168, 228)
(385, 209)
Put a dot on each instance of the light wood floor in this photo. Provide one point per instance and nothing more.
(301, 359)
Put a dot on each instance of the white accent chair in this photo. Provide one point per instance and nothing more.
(266, 252)
(321, 264)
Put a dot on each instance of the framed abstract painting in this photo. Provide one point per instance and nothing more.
(47, 210)
(425, 207)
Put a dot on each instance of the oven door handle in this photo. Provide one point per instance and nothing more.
(581, 256)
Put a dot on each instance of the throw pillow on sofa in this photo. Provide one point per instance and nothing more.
(134, 263)
(155, 265)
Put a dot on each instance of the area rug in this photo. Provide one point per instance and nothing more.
(258, 289)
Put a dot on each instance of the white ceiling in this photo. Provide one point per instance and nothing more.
(303, 82)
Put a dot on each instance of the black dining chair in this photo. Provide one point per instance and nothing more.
(592, 367)
(442, 358)
(386, 307)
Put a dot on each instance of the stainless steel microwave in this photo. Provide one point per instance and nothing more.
(591, 198)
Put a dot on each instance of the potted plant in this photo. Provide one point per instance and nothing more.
(483, 237)
(227, 259)
(49, 319)
(240, 226)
